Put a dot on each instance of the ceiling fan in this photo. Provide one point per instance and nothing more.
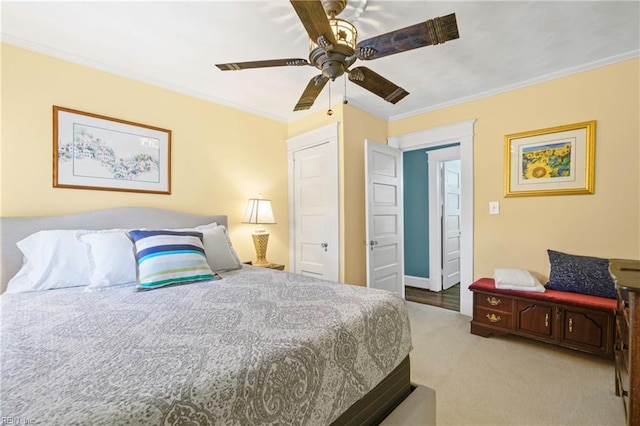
(333, 49)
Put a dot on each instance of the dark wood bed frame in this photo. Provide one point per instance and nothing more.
(382, 400)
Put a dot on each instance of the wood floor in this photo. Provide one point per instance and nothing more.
(448, 299)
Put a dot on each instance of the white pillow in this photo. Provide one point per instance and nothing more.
(112, 259)
(217, 246)
(517, 279)
(52, 259)
(198, 228)
(211, 225)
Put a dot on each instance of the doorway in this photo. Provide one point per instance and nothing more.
(460, 132)
(432, 205)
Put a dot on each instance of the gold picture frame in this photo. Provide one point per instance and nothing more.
(553, 161)
(92, 151)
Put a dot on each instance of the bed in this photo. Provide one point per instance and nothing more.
(257, 346)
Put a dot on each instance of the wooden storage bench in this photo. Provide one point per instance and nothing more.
(577, 321)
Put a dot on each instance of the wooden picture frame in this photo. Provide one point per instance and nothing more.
(92, 151)
(553, 161)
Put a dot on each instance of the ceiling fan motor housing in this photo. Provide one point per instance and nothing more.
(332, 63)
(335, 57)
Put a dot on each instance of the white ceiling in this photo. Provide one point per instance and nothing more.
(503, 45)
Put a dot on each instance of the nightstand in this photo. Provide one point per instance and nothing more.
(268, 265)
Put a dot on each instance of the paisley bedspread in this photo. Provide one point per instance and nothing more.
(257, 347)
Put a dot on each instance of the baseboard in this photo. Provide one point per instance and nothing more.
(419, 282)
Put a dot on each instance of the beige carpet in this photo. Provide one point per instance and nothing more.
(507, 380)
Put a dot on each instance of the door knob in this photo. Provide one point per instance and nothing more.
(372, 243)
(324, 246)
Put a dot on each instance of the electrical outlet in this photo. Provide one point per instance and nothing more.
(494, 207)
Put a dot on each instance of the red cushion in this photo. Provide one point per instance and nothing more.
(576, 299)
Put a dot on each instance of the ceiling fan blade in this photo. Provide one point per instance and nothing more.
(311, 92)
(236, 66)
(377, 84)
(314, 19)
(431, 32)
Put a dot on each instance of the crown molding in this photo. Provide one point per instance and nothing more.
(541, 79)
(60, 54)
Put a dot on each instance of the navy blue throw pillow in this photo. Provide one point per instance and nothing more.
(581, 274)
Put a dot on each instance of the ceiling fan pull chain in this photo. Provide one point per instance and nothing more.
(329, 111)
(345, 100)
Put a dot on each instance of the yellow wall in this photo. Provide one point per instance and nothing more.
(315, 120)
(221, 157)
(355, 126)
(358, 126)
(605, 224)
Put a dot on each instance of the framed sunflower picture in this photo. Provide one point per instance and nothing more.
(554, 161)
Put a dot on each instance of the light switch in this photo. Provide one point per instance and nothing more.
(494, 207)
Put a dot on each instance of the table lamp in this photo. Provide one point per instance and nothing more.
(259, 212)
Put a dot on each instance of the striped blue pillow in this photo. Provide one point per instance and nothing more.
(169, 257)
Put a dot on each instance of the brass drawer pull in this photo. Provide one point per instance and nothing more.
(570, 325)
(546, 320)
(493, 317)
(493, 301)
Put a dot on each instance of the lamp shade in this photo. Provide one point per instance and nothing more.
(258, 211)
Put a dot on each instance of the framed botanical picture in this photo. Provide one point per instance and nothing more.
(92, 151)
(554, 161)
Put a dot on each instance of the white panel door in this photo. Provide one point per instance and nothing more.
(316, 213)
(384, 225)
(437, 159)
(451, 224)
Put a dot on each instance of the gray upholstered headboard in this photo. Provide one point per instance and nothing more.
(14, 229)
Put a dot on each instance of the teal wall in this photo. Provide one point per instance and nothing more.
(416, 211)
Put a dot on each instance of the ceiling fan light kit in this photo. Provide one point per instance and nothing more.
(334, 48)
